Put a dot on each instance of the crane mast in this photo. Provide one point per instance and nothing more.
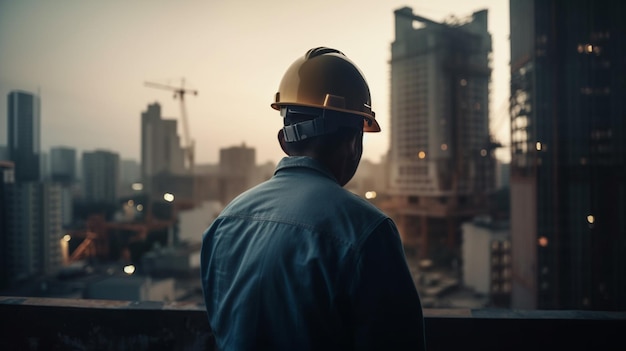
(179, 93)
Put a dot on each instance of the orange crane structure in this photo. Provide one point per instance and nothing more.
(96, 234)
(179, 93)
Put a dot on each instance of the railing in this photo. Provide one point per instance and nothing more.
(77, 324)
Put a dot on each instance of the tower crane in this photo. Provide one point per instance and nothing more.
(179, 93)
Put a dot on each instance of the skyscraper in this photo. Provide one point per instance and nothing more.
(441, 161)
(568, 144)
(160, 145)
(31, 210)
(24, 124)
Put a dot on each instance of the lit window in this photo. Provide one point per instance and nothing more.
(506, 244)
(495, 245)
(538, 146)
(421, 155)
(506, 259)
(591, 219)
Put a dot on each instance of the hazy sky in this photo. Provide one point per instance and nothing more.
(90, 59)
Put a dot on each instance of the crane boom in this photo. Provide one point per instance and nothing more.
(179, 92)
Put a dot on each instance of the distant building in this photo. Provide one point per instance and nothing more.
(30, 211)
(62, 170)
(101, 174)
(24, 130)
(52, 208)
(7, 213)
(568, 144)
(23, 232)
(487, 259)
(161, 151)
(237, 160)
(237, 171)
(34, 230)
(441, 161)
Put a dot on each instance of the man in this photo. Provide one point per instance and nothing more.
(298, 262)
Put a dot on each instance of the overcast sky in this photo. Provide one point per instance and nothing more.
(89, 61)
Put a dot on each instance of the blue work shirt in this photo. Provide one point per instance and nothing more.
(300, 263)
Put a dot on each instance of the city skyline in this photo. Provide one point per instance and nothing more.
(91, 80)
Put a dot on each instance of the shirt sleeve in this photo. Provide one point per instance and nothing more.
(387, 312)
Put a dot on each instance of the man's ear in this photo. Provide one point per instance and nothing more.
(281, 141)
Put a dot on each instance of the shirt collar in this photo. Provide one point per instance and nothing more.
(303, 162)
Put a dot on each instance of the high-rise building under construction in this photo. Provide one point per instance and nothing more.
(568, 154)
(441, 162)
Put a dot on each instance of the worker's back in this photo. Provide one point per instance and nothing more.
(279, 261)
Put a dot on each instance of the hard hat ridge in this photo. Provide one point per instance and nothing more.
(324, 78)
(321, 50)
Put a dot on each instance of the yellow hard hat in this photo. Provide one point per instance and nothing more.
(325, 78)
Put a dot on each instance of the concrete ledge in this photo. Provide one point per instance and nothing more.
(77, 324)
